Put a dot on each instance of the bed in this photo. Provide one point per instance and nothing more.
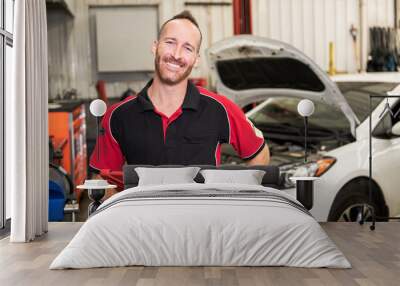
(201, 224)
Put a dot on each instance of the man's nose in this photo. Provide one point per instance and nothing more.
(178, 52)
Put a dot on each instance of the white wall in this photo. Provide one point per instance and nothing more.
(119, 46)
(310, 25)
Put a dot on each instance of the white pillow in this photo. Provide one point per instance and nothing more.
(165, 176)
(248, 177)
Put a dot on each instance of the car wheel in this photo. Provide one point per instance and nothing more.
(352, 204)
(356, 212)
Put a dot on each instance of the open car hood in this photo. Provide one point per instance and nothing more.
(250, 69)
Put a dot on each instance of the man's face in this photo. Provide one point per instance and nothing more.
(176, 52)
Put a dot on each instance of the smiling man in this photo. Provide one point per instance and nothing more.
(171, 121)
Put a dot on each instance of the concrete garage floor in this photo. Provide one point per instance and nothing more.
(374, 255)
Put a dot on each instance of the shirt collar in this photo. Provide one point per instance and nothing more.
(192, 97)
(191, 101)
(143, 98)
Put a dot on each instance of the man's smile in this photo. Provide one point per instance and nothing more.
(173, 67)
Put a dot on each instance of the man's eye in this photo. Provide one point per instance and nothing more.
(189, 49)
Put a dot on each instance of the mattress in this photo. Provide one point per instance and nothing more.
(201, 225)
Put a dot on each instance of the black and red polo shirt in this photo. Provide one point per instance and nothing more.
(135, 132)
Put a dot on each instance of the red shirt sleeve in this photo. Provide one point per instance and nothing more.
(107, 153)
(247, 140)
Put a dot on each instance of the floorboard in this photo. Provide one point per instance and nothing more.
(374, 255)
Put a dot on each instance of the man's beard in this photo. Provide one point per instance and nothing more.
(167, 80)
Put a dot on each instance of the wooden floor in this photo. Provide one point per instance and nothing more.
(374, 255)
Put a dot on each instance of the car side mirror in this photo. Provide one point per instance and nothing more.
(396, 129)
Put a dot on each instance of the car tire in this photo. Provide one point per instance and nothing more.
(352, 203)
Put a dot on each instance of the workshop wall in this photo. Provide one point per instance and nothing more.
(61, 53)
(72, 43)
(307, 24)
(310, 25)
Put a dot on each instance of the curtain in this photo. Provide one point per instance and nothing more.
(26, 124)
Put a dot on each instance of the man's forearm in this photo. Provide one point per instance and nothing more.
(262, 158)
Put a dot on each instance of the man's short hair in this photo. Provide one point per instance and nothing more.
(184, 15)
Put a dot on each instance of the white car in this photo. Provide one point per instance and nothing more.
(252, 69)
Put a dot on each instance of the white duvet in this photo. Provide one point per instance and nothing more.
(201, 224)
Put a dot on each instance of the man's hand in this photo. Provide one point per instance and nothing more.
(109, 192)
(262, 158)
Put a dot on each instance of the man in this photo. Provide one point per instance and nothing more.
(171, 121)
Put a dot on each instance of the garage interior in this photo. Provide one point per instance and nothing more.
(101, 49)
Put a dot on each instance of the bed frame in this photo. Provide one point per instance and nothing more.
(270, 179)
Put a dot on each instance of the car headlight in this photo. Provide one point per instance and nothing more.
(312, 169)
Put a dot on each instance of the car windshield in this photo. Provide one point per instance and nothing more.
(357, 95)
(283, 111)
